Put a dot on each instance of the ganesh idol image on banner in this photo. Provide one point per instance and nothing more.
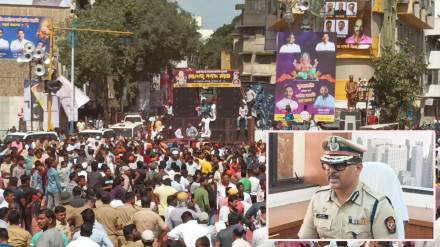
(306, 68)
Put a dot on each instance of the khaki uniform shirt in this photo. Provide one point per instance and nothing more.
(18, 237)
(109, 218)
(326, 218)
(133, 244)
(126, 212)
(74, 217)
(147, 219)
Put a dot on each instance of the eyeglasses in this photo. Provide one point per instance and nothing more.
(338, 167)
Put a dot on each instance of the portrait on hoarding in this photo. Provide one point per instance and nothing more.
(358, 36)
(360, 185)
(340, 8)
(290, 46)
(325, 44)
(18, 44)
(324, 100)
(288, 99)
(342, 28)
(329, 26)
(4, 44)
(351, 8)
(329, 8)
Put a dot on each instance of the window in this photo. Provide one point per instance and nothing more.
(265, 59)
(247, 58)
(433, 76)
(281, 163)
(261, 78)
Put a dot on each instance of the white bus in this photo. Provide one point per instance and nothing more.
(127, 129)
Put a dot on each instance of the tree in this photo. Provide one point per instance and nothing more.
(397, 74)
(221, 40)
(162, 33)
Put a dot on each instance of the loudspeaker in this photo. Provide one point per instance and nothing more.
(184, 102)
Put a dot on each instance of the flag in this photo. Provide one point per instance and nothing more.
(65, 96)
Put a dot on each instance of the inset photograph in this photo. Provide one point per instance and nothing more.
(351, 185)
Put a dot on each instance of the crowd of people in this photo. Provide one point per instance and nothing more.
(133, 192)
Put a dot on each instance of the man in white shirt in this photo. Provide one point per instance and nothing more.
(206, 131)
(84, 239)
(260, 237)
(325, 100)
(4, 44)
(290, 47)
(191, 131)
(326, 44)
(18, 44)
(242, 115)
(287, 100)
(189, 231)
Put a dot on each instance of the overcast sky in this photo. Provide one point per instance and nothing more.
(214, 13)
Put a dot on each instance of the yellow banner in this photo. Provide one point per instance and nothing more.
(213, 84)
(297, 118)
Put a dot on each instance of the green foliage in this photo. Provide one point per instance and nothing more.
(162, 33)
(397, 74)
(221, 40)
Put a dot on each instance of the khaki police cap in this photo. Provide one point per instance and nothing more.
(336, 145)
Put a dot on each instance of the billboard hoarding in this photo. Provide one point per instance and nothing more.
(16, 31)
(47, 3)
(206, 78)
(351, 20)
(306, 71)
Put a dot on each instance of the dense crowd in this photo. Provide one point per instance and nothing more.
(133, 192)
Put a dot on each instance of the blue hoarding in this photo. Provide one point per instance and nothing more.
(15, 31)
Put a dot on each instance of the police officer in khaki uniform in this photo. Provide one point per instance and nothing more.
(347, 208)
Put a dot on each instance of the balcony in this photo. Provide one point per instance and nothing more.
(415, 13)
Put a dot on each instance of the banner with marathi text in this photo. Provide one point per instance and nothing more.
(305, 72)
(16, 31)
(206, 78)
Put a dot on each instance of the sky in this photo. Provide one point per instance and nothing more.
(214, 13)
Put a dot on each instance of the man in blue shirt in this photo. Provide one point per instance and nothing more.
(99, 235)
(53, 185)
(4, 237)
(324, 100)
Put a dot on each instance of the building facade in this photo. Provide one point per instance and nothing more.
(431, 83)
(255, 42)
(11, 75)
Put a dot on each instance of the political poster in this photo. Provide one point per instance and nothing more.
(305, 76)
(16, 31)
(351, 21)
(47, 3)
(206, 78)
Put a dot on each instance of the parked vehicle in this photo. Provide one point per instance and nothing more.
(127, 129)
(102, 133)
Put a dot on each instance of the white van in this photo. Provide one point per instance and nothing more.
(93, 133)
(127, 129)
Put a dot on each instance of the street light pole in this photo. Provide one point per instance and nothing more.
(30, 95)
(72, 79)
